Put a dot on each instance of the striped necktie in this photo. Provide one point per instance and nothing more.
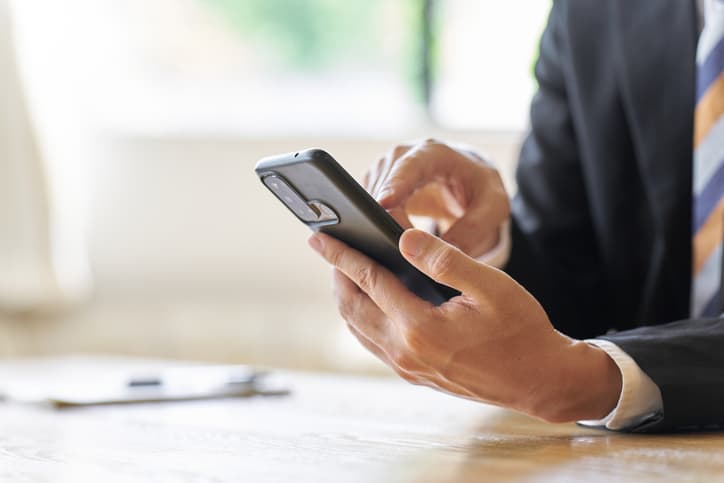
(708, 189)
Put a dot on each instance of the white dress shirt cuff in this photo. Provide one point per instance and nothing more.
(498, 256)
(640, 397)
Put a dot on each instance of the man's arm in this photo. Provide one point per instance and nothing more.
(555, 256)
(686, 360)
(493, 343)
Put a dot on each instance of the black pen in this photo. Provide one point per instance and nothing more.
(228, 377)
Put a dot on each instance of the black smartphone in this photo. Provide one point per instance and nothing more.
(323, 196)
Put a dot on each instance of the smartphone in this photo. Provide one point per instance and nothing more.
(323, 196)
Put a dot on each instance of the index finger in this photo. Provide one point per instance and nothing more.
(381, 285)
(418, 167)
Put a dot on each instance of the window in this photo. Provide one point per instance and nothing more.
(484, 62)
(270, 67)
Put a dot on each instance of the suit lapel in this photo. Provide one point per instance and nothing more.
(656, 58)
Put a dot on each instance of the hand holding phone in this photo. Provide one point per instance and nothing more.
(322, 195)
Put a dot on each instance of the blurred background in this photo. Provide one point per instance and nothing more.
(131, 221)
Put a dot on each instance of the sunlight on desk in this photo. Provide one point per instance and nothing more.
(332, 428)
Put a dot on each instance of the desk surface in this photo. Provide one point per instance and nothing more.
(331, 429)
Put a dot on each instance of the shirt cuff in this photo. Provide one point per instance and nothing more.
(640, 398)
(498, 256)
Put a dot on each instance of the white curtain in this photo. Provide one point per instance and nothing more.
(43, 202)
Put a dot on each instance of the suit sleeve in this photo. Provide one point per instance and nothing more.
(552, 232)
(555, 255)
(685, 359)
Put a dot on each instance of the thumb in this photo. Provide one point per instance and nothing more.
(442, 262)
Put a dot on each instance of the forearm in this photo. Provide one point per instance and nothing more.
(585, 384)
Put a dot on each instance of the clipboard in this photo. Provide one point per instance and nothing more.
(169, 385)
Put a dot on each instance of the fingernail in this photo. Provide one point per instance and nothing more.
(413, 242)
(316, 243)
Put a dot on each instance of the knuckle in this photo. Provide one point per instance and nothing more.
(400, 173)
(447, 373)
(438, 147)
(495, 181)
(402, 360)
(408, 164)
(335, 257)
(398, 151)
(413, 340)
(345, 306)
(366, 277)
(497, 204)
(441, 263)
(504, 201)
(407, 376)
(506, 210)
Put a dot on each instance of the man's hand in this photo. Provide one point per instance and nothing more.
(455, 187)
(493, 343)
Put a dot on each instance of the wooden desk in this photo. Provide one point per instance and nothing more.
(332, 429)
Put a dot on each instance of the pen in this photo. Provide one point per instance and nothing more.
(225, 376)
(145, 382)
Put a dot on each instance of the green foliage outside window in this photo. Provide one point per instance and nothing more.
(327, 35)
(315, 35)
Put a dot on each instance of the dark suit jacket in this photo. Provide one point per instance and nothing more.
(601, 231)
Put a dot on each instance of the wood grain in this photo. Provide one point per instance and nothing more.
(332, 428)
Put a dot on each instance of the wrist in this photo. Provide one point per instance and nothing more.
(587, 385)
